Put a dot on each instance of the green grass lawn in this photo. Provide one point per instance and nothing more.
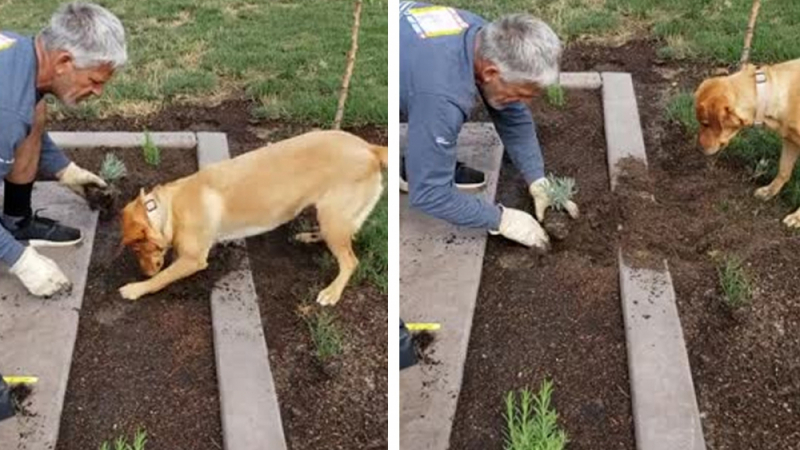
(287, 55)
(712, 30)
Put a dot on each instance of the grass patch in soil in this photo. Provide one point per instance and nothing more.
(555, 316)
(136, 363)
(735, 282)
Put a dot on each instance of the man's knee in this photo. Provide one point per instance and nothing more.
(427, 199)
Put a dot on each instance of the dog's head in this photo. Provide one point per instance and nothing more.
(147, 243)
(719, 113)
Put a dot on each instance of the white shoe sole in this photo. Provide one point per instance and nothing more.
(41, 244)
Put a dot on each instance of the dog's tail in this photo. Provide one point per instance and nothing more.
(382, 153)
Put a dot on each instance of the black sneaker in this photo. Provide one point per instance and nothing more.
(465, 177)
(469, 178)
(43, 232)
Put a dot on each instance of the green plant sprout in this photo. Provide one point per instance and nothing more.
(556, 95)
(736, 287)
(533, 424)
(139, 441)
(560, 190)
(326, 336)
(113, 168)
(152, 154)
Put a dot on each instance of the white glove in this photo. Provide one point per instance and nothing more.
(521, 227)
(40, 275)
(541, 199)
(75, 177)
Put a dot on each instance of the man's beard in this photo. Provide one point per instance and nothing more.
(491, 102)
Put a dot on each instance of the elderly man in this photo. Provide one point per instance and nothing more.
(72, 58)
(447, 58)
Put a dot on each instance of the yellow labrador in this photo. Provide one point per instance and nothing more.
(337, 172)
(769, 96)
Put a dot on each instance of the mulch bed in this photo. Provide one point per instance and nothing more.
(745, 363)
(556, 316)
(343, 410)
(148, 363)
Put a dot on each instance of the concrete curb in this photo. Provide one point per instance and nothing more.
(624, 136)
(664, 405)
(250, 412)
(665, 411)
(580, 80)
(37, 336)
(122, 139)
(440, 271)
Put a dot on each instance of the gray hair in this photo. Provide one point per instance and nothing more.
(92, 34)
(524, 49)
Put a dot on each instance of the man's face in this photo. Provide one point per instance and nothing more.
(499, 94)
(72, 85)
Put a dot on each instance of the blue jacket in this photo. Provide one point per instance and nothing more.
(18, 99)
(437, 94)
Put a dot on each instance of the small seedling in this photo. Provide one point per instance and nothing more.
(152, 154)
(556, 96)
(533, 424)
(557, 222)
(139, 441)
(326, 336)
(112, 168)
(560, 190)
(735, 283)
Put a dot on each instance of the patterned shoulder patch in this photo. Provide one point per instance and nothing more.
(6, 42)
(435, 21)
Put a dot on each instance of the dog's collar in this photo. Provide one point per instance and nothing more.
(762, 96)
(153, 211)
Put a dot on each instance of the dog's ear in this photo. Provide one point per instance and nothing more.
(731, 116)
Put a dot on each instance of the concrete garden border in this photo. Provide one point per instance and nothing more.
(250, 411)
(665, 411)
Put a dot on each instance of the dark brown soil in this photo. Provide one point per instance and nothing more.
(745, 364)
(555, 316)
(148, 363)
(324, 409)
(19, 398)
(321, 408)
(422, 343)
(557, 225)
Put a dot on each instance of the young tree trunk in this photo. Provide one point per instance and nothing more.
(748, 36)
(351, 59)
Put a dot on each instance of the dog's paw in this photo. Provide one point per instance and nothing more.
(131, 291)
(328, 297)
(792, 220)
(308, 237)
(765, 193)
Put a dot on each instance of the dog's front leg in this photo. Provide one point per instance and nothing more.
(182, 267)
(789, 155)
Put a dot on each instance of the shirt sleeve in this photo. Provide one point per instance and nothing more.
(515, 126)
(53, 159)
(12, 132)
(433, 126)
